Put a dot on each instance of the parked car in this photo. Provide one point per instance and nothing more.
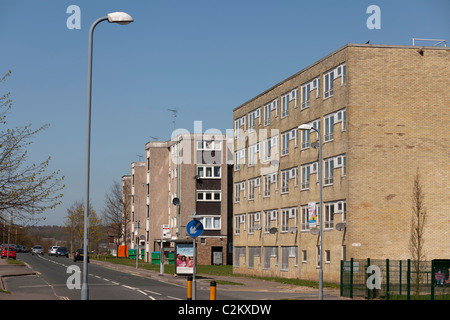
(9, 252)
(79, 255)
(37, 250)
(62, 251)
(52, 250)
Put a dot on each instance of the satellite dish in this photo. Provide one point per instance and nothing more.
(176, 201)
(293, 229)
(314, 231)
(273, 230)
(340, 226)
(257, 227)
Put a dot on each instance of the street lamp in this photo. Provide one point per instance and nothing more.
(310, 127)
(115, 17)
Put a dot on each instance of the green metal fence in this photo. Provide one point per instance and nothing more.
(395, 279)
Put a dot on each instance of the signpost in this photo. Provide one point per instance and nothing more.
(194, 228)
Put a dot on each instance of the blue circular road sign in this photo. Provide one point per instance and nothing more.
(194, 228)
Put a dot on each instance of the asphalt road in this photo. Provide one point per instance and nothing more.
(52, 276)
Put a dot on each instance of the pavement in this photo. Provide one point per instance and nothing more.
(203, 282)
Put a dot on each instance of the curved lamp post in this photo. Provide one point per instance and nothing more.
(115, 17)
(310, 127)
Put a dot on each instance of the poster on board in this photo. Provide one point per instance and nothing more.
(184, 258)
(312, 214)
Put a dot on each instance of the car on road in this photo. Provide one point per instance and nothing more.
(37, 250)
(62, 251)
(52, 250)
(9, 252)
(79, 255)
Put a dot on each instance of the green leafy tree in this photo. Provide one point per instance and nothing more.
(26, 188)
(74, 223)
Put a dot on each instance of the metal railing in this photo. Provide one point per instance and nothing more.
(395, 279)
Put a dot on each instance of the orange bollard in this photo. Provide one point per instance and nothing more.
(189, 288)
(212, 290)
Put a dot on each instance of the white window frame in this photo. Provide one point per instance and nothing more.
(330, 76)
(328, 171)
(204, 194)
(285, 138)
(202, 169)
(213, 218)
(285, 181)
(304, 219)
(328, 219)
(328, 124)
(252, 219)
(267, 183)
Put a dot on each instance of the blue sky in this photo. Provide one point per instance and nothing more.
(202, 57)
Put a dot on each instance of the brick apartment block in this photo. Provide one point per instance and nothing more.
(192, 168)
(383, 113)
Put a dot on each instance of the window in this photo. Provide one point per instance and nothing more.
(341, 116)
(339, 71)
(237, 224)
(304, 256)
(270, 252)
(209, 145)
(307, 88)
(252, 151)
(267, 186)
(305, 218)
(328, 87)
(208, 172)
(329, 216)
(253, 220)
(318, 256)
(252, 253)
(332, 163)
(238, 123)
(239, 159)
(329, 167)
(284, 106)
(238, 187)
(269, 144)
(211, 223)
(341, 162)
(252, 184)
(284, 220)
(209, 195)
(239, 219)
(327, 256)
(307, 170)
(267, 114)
(285, 181)
(273, 105)
(285, 99)
(286, 253)
(270, 215)
(329, 127)
(252, 116)
(306, 133)
(238, 253)
(285, 143)
(286, 214)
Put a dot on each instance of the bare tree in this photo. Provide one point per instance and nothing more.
(26, 188)
(418, 221)
(116, 212)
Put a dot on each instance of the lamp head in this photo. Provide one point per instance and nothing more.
(305, 127)
(120, 18)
